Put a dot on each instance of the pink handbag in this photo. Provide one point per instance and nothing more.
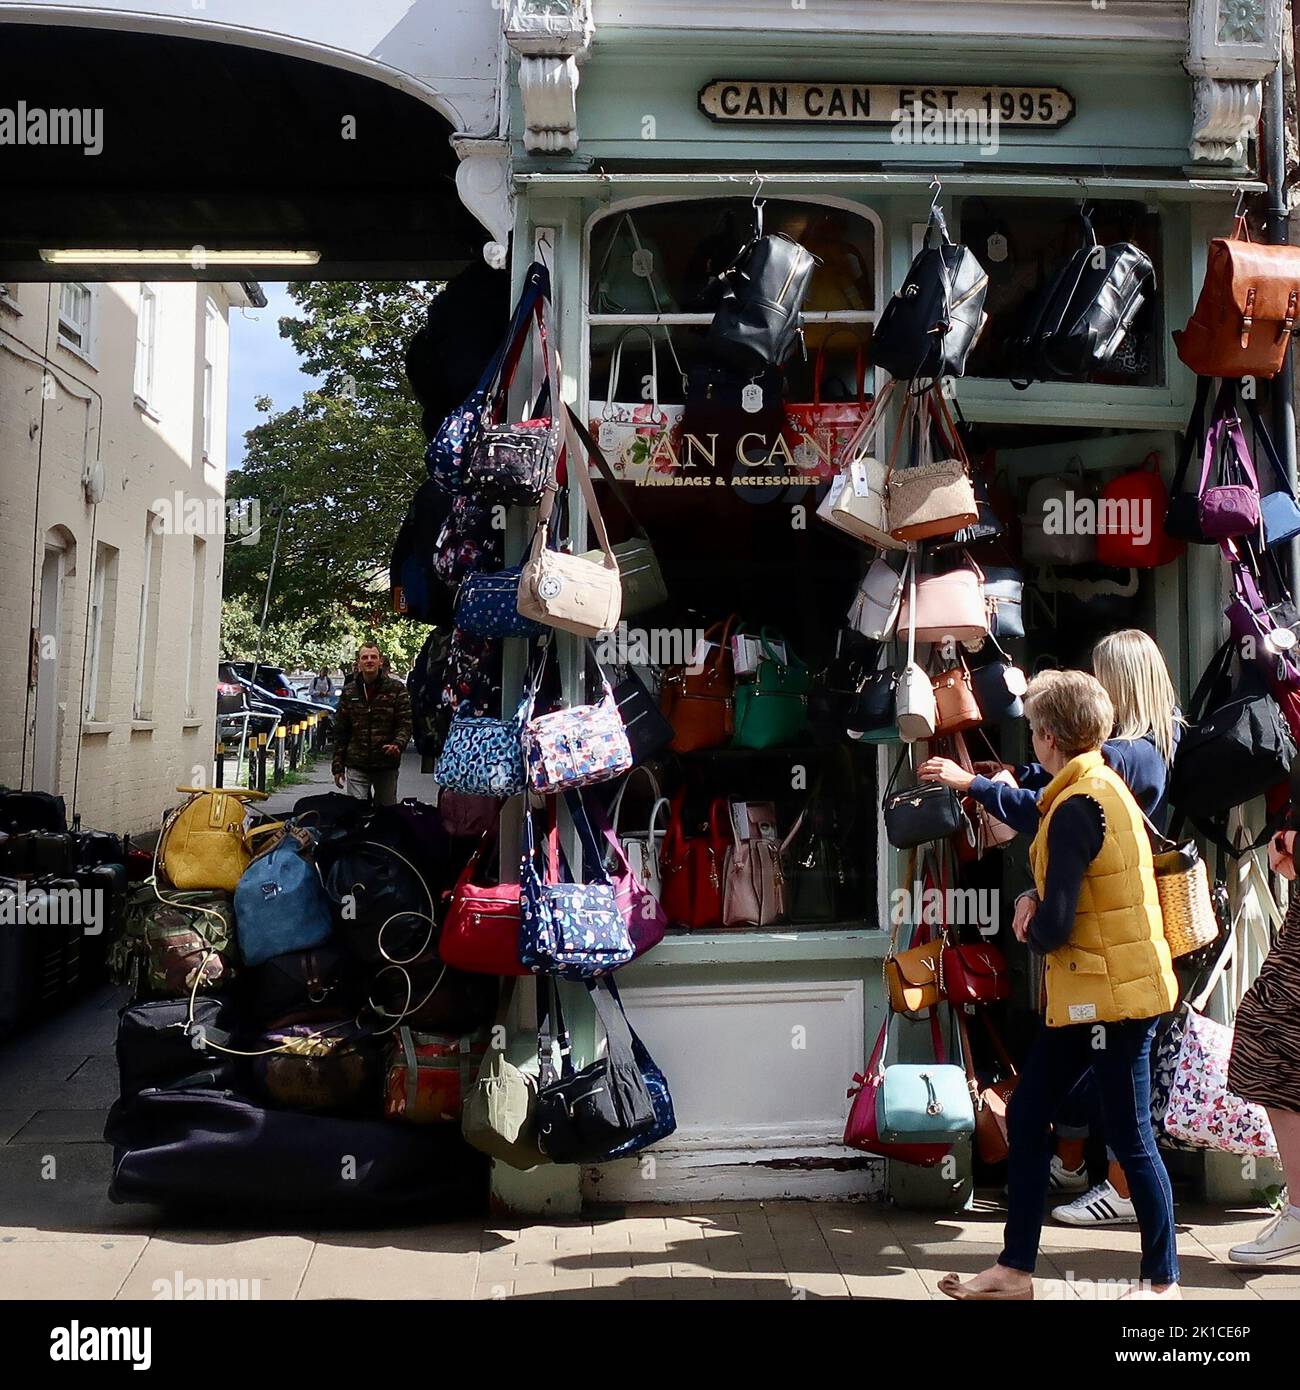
(948, 606)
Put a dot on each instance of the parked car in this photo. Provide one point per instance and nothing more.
(273, 679)
(239, 712)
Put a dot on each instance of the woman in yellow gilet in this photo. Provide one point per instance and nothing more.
(1107, 978)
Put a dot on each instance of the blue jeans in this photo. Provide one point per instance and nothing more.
(1119, 1055)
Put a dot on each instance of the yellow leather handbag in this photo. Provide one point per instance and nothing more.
(202, 845)
(912, 978)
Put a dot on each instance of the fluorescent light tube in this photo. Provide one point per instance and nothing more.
(197, 256)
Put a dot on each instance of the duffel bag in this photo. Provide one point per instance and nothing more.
(300, 987)
(429, 1074)
(160, 1043)
(171, 941)
(280, 904)
(336, 1067)
(212, 1150)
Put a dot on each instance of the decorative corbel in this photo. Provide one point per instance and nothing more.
(551, 37)
(483, 183)
(1232, 45)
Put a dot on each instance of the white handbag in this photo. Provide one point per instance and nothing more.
(914, 701)
(571, 592)
(855, 502)
(875, 607)
(643, 849)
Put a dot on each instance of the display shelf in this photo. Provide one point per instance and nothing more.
(853, 940)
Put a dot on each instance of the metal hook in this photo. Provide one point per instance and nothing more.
(1239, 205)
(936, 186)
(757, 179)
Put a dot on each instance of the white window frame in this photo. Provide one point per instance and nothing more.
(211, 352)
(198, 602)
(146, 348)
(96, 632)
(142, 644)
(84, 331)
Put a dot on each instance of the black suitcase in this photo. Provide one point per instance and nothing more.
(155, 1047)
(99, 847)
(211, 1149)
(21, 811)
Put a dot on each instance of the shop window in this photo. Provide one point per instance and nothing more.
(741, 544)
(1023, 243)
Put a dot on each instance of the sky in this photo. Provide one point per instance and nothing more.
(261, 364)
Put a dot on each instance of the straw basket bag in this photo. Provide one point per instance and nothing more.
(1184, 890)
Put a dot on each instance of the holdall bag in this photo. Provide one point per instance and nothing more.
(647, 922)
(642, 851)
(875, 609)
(772, 709)
(990, 1102)
(914, 695)
(1183, 518)
(1081, 319)
(757, 322)
(862, 1130)
(499, 1117)
(576, 746)
(648, 731)
(486, 605)
(692, 867)
(919, 814)
(209, 1150)
(1228, 509)
(571, 592)
(429, 1075)
(1004, 597)
(700, 703)
(933, 497)
(445, 454)
(175, 943)
(483, 756)
(947, 607)
(1246, 311)
(1048, 534)
(1236, 745)
(956, 708)
(574, 930)
(665, 1121)
(934, 318)
(171, 1043)
(309, 986)
(1139, 500)
(334, 1067)
(857, 500)
(480, 926)
(202, 844)
(1279, 509)
(640, 576)
(583, 1116)
(1202, 1110)
(23, 811)
(280, 902)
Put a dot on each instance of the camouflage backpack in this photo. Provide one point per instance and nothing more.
(166, 943)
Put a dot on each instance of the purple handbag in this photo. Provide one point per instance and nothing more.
(1258, 636)
(1228, 509)
(646, 920)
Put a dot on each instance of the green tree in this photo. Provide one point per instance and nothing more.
(343, 464)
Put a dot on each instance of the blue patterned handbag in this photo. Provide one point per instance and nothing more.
(486, 606)
(573, 930)
(483, 756)
(655, 1082)
(576, 745)
(445, 455)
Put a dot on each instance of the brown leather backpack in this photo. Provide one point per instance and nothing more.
(1248, 307)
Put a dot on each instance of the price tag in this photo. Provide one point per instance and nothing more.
(608, 437)
(643, 262)
(997, 247)
(751, 398)
(861, 483)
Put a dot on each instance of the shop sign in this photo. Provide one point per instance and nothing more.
(880, 103)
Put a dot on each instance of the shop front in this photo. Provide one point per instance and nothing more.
(683, 141)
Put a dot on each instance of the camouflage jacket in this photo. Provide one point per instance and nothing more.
(367, 719)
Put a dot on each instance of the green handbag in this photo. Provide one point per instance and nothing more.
(772, 709)
(500, 1112)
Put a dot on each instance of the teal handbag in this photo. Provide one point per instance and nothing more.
(924, 1102)
(772, 709)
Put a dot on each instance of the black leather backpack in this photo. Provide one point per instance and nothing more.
(930, 325)
(757, 322)
(1080, 319)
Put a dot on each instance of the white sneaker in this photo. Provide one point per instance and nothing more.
(1279, 1240)
(1065, 1179)
(1099, 1206)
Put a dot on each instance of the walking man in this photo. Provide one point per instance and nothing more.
(372, 726)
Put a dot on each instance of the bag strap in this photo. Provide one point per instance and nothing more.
(617, 804)
(911, 608)
(604, 993)
(1212, 676)
(616, 367)
(616, 485)
(1194, 435)
(1265, 442)
(865, 435)
(578, 465)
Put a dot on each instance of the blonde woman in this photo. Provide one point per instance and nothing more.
(1095, 916)
(1140, 750)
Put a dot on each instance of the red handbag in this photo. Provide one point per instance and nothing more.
(1131, 504)
(691, 867)
(480, 930)
(861, 1130)
(973, 974)
(826, 429)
